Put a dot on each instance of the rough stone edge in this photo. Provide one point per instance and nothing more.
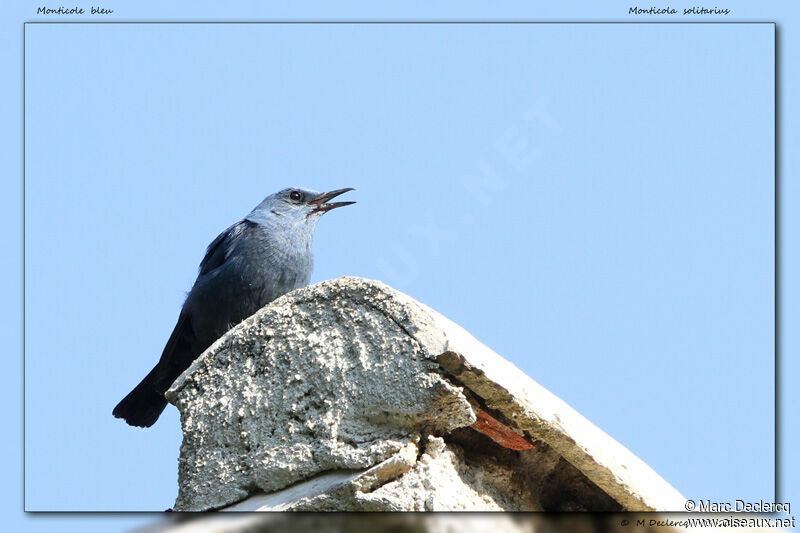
(525, 404)
(541, 414)
(361, 480)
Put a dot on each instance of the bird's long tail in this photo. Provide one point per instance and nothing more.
(144, 404)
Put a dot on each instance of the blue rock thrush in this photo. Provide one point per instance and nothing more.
(248, 265)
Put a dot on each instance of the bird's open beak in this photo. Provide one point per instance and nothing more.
(321, 201)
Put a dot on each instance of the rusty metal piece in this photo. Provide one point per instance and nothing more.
(499, 432)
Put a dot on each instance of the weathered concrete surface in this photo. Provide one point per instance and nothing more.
(335, 385)
(321, 379)
(435, 478)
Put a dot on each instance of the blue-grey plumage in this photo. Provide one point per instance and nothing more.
(253, 262)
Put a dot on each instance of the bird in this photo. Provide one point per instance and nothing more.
(256, 260)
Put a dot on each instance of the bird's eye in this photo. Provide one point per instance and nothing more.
(296, 196)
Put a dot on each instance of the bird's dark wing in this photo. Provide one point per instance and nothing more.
(221, 247)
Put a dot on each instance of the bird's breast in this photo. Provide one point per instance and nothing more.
(280, 268)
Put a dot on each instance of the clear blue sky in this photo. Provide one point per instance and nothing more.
(594, 202)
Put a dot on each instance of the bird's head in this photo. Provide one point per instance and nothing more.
(296, 206)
